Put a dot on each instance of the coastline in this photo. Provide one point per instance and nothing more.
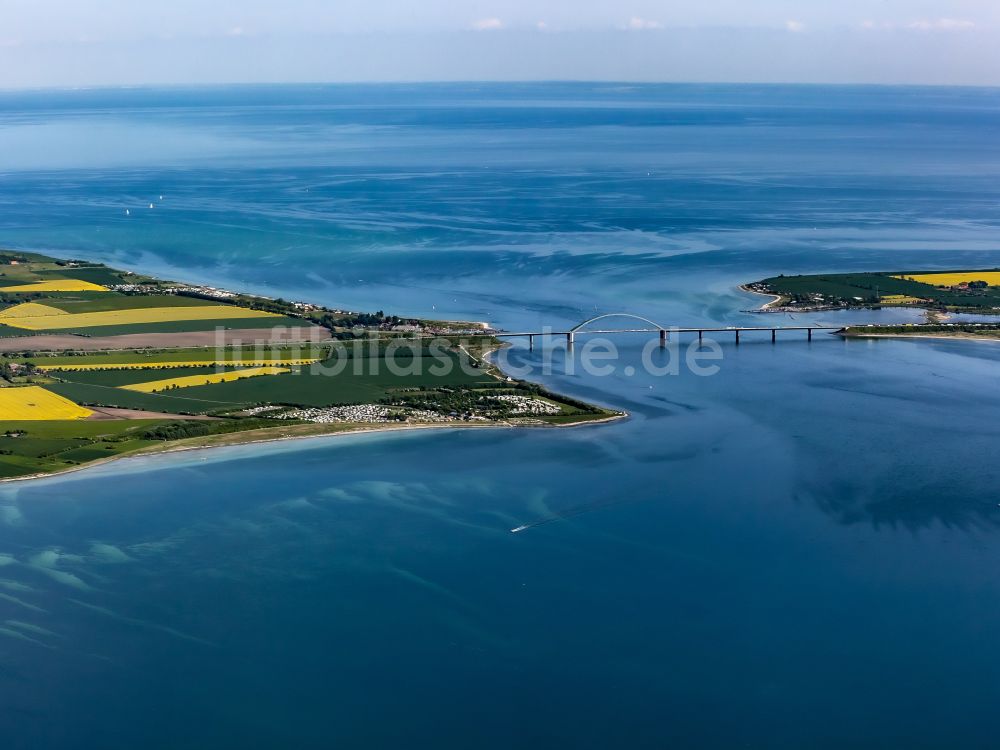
(776, 298)
(941, 336)
(481, 355)
(279, 434)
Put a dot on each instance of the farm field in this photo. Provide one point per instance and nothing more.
(36, 317)
(119, 378)
(264, 325)
(115, 396)
(45, 295)
(37, 447)
(113, 301)
(101, 362)
(157, 363)
(324, 387)
(247, 356)
(954, 278)
(206, 378)
(56, 285)
(35, 403)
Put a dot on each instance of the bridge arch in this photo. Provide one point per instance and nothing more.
(579, 326)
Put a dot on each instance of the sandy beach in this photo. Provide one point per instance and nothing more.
(775, 298)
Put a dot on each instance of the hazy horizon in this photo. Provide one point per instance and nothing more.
(59, 43)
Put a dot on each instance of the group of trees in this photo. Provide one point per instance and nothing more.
(191, 428)
(377, 319)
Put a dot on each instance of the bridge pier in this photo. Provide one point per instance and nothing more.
(663, 339)
(737, 337)
(531, 343)
(700, 334)
(810, 335)
(774, 335)
(570, 338)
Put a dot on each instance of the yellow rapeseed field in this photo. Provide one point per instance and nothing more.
(951, 279)
(195, 380)
(56, 285)
(161, 365)
(29, 310)
(51, 319)
(36, 403)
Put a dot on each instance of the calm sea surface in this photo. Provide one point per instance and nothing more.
(801, 551)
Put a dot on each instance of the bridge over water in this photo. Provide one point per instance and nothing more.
(662, 331)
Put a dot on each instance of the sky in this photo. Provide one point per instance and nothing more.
(130, 42)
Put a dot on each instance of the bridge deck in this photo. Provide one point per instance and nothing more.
(738, 329)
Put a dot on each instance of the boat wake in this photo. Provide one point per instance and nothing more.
(578, 510)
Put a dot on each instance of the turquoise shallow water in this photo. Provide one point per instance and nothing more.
(798, 551)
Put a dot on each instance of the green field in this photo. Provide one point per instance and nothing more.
(103, 302)
(42, 447)
(328, 383)
(22, 269)
(99, 395)
(118, 378)
(182, 326)
(309, 386)
(191, 354)
(94, 274)
(40, 268)
(6, 332)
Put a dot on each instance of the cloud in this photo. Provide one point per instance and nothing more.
(923, 24)
(942, 24)
(236, 31)
(542, 26)
(488, 24)
(642, 24)
(795, 26)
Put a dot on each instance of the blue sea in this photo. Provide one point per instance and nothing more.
(801, 551)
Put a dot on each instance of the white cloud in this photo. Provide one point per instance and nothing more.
(942, 24)
(923, 24)
(542, 26)
(642, 24)
(488, 24)
(236, 31)
(795, 26)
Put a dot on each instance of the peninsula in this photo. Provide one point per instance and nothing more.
(98, 363)
(939, 293)
(972, 291)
